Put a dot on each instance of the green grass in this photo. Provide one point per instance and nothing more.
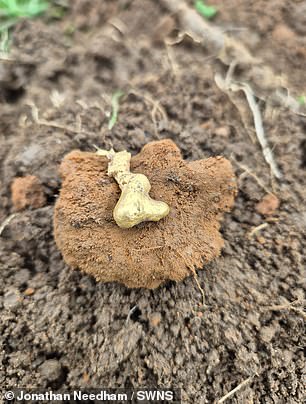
(302, 100)
(11, 11)
(4, 41)
(16, 9)
(206, 11)
(115, 109)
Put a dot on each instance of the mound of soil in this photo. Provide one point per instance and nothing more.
(146, 255)
(104, 334)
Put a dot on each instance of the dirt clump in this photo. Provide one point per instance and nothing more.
(27, 192)
(268, 205)
(198, 193)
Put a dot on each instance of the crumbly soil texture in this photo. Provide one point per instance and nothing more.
(60, 328)
(150, 253)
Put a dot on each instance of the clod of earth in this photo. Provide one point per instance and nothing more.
(146, 255)
(268, 205)
(27, 192)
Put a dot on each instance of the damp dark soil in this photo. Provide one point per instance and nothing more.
(59, 328)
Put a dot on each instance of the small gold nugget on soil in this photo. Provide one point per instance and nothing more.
(135, 205)
(147, 254)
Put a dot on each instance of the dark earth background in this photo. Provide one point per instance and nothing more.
(70, 331)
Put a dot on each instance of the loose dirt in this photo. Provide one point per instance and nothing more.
(252, 324)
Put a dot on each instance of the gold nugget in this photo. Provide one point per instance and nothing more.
(135, 204)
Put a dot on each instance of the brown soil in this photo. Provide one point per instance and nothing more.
(268, 205)
(27, 192)
(252, 324)
(197, 192)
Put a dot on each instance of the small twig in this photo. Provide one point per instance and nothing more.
(251, 174)
(234, 391)
(181, 36)
(156, 104)
(7, 59)
(52, 124)
(257, 229)
(119, 25)
(229, 85)
(192, 21)
(171, 59)
(156, 108)
(260, 130)
(195, 276)
(288, 306)
(6, 222)
(63, 127)
(130, 313)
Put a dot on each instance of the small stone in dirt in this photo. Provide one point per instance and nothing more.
(11, 300)
(29, 292)
(261, 239)
(22, 276)
(267, 333)
(283, 33)
(223, 131)
(179, 359)
(268, 205)
(85, 377)
(155, 319)
(51, 370)
(27, 192)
